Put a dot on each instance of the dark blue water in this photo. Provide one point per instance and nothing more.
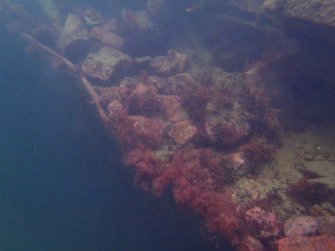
(62, 186)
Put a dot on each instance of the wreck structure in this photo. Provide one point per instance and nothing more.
(227, 106)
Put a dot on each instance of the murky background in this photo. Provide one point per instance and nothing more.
(62, 186)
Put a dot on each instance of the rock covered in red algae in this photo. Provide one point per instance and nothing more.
(250, 244)
(238, 164)
(105, 36)
(301, 243)
(300, 226)
(143, 100)
(116, 110)
(264, 222)
(107, 94)
(173, 108)
(104, 63)
(182, 132)
(226, 133)
(139, 130)
(74, 30)
(324, 208)
(174, 62)
(178, 84)
(309, 226)
(126, 86)
(326, 225)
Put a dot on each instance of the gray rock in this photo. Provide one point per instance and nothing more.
(74, 30)
(172, 63)
(314, 11)
(326, 225)
(266, 223)
(300, 226)
(328, 182)
(104, 63)
(321, 168)
(107, 37)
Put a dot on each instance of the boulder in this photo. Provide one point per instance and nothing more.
(313, 11)
(265, 223)
(141, 131)
(301, 226)
(177, 84)
(309, 226)
(74, 30)
(138, 20)
(143, 100)
(107, 37)
(325, 172)
(299, 243)
(173, 109)
(143, 62)
(173, 63)
(105, 63)
(226, 133)
(249, 243)
(116, 110)
(238, 163)
(325, 208)
(182, 132)
(327, 182)
(326, 225)
(322, 168)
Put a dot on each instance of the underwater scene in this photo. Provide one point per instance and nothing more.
(169, 125)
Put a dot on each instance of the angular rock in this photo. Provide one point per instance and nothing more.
(326, 225)
(105, 63)
(116, 110)
(141, 131)
(182, 132)
(107, 37)
(238, 163)
(321, 168)
(91, 17)
(74, 30)
(172, 63)
(225, 132)
(112, 25)
(143, 100)
(126, 86)
(250, 244)
(265, 223)
(173, 109)
(327, 182)
(271, 6)
(313, 11)
(319, 243)
(301, 226)
(177, 84)
(136, 20)
(143, 62)
(323, 209)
